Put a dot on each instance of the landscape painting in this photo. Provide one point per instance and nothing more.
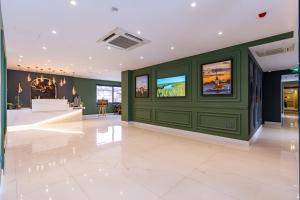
(217, 78)
(141, 86)
(171, 86)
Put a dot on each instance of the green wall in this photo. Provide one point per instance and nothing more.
(3, 93)
(86, 89)
(226, 116)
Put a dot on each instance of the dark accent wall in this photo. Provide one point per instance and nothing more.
(14, 77)
(272, 95)
(86, 89)
(3, 94)
(226, 116)
(255, 94)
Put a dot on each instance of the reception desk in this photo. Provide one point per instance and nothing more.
(44, 111)
(49, 105)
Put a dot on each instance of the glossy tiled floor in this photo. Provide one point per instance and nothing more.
(103, 159)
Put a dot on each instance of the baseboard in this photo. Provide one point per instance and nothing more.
(93, 116)
(272, 124)
(228, 142)
(256, 135)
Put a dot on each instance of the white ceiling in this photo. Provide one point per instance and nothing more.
(28, 25)
(287, 60)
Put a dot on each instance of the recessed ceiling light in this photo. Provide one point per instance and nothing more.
(44, 48)
(142, 57)
(121, 64)
(21, 56)
(220, 33)
(73, 2)
(90, 58)
(108, 48)
(139, 32)
(172, 48)
(20, 60)
(53, 32)
(193, 4)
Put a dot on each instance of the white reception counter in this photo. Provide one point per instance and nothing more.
(44, 111)
(46, 105)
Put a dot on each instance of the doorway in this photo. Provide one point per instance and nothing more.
(290, 107)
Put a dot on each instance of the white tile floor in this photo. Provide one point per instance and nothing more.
(103, 159)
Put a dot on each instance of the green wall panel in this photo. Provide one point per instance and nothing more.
(86, 89)
(143, 114)
(174, 117)
(127, 95)
(225, 116)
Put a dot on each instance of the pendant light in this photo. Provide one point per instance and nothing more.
(53, 79)
(42, 77)
(49, 80)
(64, 81)
(37, 78)
(28, 76)
(61, 81)
(73, 89)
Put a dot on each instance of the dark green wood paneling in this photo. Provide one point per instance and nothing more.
(127, 95)
(174, 117)
(3, 98)
(86, 89)
(143, 114)
(223, 115)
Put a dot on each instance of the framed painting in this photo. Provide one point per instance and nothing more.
(217, 78)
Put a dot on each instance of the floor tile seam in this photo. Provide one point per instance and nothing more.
(81, 188)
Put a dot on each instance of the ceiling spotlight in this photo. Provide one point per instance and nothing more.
(193, 4)
(121, 64)
(90, 58)
(139, 32)
(44, 48)
(20, 56)
(108, 48)
(220, 33)
(172, 48)
(73, 2)
(114, 9)
(53, 32)
(142, 57)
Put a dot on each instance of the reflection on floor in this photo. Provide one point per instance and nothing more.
(290, 121)
(104, 159)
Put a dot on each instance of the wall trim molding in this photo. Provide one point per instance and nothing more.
(93, 116)
(256, 135)
(272, 124)
(206, 138)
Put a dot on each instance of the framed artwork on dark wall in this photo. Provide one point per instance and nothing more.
(142, 86)
(216, 78)
(171, 86)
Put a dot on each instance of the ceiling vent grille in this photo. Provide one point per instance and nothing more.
(122, 39)
(270, 52)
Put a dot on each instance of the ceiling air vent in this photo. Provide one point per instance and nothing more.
(122, 39)
(274, 51)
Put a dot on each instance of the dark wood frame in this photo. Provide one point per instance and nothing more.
(201, 78)
(148, 85)
(172, 77)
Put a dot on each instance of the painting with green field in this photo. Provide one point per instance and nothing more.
(171, 86)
